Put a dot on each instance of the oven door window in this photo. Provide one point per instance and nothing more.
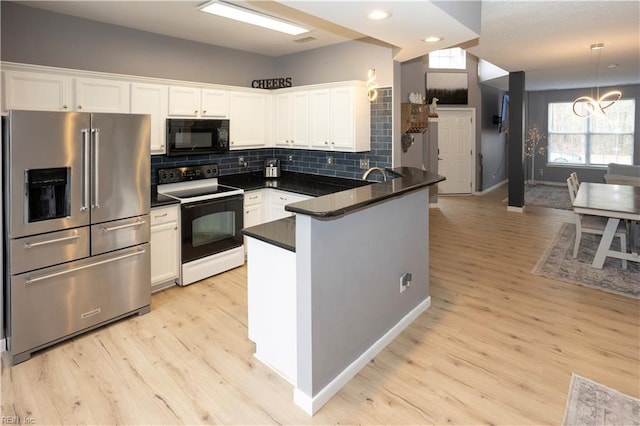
(211, 227)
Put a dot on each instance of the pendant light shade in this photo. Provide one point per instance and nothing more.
(587, 106)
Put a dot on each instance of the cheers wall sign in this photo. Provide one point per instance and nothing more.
(272, 83)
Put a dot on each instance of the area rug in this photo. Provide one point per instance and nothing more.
(552, 196)
(590, 403)
(557, 262)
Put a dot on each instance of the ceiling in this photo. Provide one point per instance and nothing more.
(548, 40)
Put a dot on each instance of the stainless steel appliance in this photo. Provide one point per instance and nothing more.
(76, 190)
(272, 168)
(197, 136)
(211, 219)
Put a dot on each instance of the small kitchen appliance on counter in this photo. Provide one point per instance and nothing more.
(272, 168)
(211, 216)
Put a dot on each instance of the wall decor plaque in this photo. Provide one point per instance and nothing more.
(451, 88)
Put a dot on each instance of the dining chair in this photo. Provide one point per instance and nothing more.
(575, 181)
(594, 225)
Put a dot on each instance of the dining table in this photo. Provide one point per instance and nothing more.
(615, 202)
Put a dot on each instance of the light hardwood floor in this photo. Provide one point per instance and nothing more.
(497, 346)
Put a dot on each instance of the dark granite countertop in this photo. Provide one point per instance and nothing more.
(158, 200)
(337, 204)
(300, 183)
(281, 233)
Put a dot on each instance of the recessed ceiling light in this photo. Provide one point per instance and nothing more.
(378, 15)
(610, 66)
(431, 39)
(597, 46)
(250, 17)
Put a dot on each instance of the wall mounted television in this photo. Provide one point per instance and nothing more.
(504, 114)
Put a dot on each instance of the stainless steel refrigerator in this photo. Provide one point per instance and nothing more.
(76, 214)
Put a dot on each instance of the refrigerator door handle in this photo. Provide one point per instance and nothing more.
(129, 225)
(29, 245)
(96, 160)
(85, 169)
(79, 268)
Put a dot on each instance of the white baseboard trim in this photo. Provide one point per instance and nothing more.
(434, 205)
(515, 209)
(312, 404)
(493, 187)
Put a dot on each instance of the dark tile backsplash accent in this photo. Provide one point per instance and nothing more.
(345, 164)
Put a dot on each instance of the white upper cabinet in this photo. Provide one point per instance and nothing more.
(247, 120)
(152, 99)
(184, 101)
(196, 102)
(55, 92)
(339, 118)
(292, 119)
(215, 103)
(37, 91)
(320, 118)
(330, 116)
(100, 95)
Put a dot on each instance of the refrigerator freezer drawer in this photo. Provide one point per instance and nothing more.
(118, 234)
(55, 303)
(50, 249)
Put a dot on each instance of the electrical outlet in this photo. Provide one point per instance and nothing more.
(540, 172)
(364, 163)
(290, 158)
(329, 160)
(240, 161)
(405, 281)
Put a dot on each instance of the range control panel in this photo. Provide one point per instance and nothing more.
(187, 173)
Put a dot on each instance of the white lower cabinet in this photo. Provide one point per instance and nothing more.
(165, 246)
(253, 211)
(278, 200)
(253, 208)
(265, 205)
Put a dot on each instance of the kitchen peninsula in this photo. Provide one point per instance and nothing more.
(329, 288)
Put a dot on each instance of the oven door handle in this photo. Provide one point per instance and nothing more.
(212, 201)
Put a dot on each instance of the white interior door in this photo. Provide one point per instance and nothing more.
(455, 150)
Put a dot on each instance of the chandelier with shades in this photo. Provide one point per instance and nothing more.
(586, 106)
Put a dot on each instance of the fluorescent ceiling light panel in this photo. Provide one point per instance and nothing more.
(250, 17)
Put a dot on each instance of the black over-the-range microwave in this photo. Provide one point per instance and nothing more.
(197, 136)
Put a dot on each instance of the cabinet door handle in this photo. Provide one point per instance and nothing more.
(160, 215)
(195, 112)
(79, 106)
(204, 112)
(64, 107)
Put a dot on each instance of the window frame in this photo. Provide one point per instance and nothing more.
(460, 56)
(588, 134)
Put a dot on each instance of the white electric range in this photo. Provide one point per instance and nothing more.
(211, 218)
